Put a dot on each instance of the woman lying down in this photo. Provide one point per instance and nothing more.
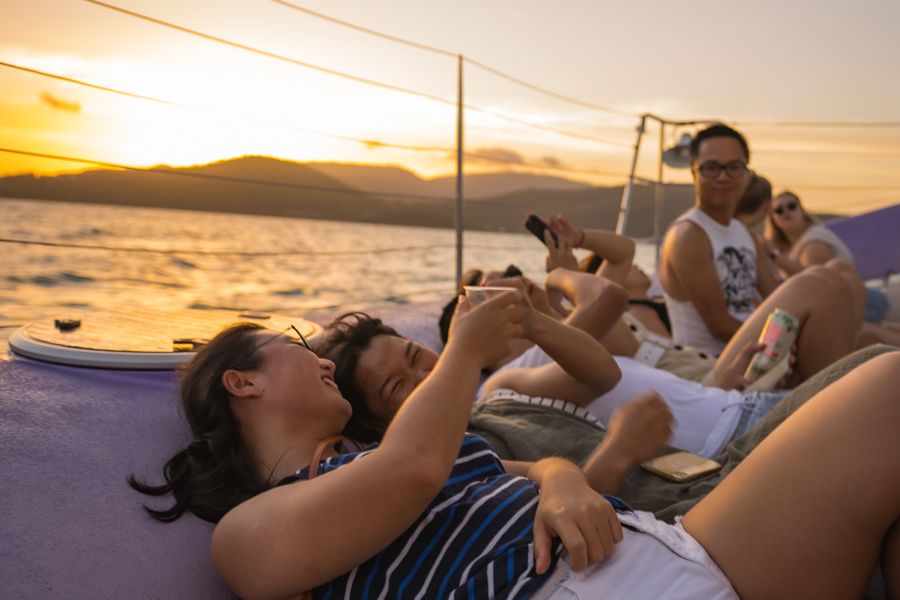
(432, 513)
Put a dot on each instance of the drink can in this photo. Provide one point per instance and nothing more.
(778, 335)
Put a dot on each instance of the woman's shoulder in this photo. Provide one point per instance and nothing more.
(352, 451)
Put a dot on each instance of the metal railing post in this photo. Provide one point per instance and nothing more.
(625, 204)
(459, 171)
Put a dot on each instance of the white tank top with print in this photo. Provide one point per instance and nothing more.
(734, 255)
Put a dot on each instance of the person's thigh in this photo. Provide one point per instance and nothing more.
(744, 444)
(810, 506)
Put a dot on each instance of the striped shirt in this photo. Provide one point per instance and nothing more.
(473, 541)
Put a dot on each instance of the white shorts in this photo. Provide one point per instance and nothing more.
(658, 561)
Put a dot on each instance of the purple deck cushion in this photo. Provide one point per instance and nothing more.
(70, 525)
(873, 239)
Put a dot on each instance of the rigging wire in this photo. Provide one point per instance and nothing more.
(362, 29)
(442, 52)
(273, 55)
(826, 152)
(411, 147)
(366, 142)
(225, 252)
(252, 253)
(820, 124)
(355, 78)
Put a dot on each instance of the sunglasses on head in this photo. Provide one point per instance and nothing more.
(300, 340)
(786, 207)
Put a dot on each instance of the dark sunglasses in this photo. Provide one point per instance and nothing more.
(786, 207)
(300, 341)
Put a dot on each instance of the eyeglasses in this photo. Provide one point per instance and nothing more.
(786, 207)
(712, 170)
(300, 342)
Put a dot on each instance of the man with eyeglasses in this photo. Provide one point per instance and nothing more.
(711, 268)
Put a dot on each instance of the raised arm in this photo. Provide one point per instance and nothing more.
(637, 431)
(815, 253)
(581, 370)
(597, 302)
(616, 250)
(689, 274)
(296, 537)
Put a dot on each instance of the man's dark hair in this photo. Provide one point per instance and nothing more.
(758, 192)
(714, 131)
(590, 263)
(347, 337)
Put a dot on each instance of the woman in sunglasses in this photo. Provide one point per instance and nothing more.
(798, 241)
(431, 512)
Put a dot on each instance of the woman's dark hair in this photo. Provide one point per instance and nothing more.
(347, 337)
(215, 472)
(758, 192)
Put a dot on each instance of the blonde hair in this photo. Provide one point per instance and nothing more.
(774, 233)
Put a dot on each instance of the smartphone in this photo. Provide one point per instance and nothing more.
(536, 225)
(680, 466)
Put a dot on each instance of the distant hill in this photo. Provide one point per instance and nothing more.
(345, 192)
(477, 186)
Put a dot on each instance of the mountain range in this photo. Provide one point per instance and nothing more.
(349, 192)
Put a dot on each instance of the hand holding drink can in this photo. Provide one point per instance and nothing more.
(778, 335)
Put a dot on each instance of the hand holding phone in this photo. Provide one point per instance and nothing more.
(537, 226)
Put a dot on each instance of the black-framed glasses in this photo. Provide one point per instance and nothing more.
(300, 341)
(712, 169)
(789, 206)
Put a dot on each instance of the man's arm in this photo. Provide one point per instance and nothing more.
(597, 302)
(815, 253)
(581, 370)
(616, 250)
(637, 431)
(689, 275)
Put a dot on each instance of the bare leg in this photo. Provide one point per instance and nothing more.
(857, 286)
(869, 333)
(890, 561)
(819, 298)
(876, 334)
(806, 514)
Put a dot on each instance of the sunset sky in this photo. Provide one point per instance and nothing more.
(747, 63)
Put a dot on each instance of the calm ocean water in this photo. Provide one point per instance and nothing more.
(216, 261)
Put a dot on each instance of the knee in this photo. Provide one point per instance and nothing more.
(842, 266)
(838, 285)
(821, 282)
